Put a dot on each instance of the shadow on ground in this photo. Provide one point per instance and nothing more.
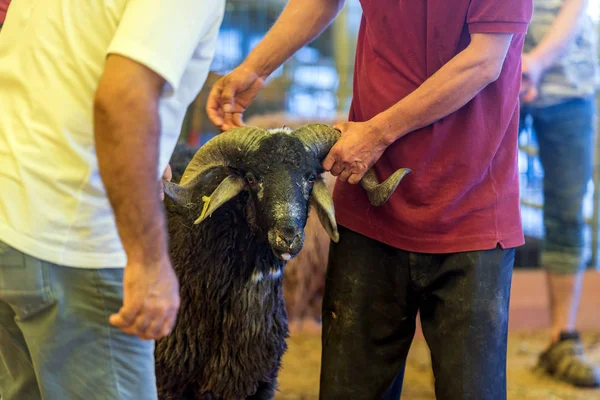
(299, 378)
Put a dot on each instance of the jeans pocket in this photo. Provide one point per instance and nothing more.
(4, 248)
(24, 282)
(109, 283)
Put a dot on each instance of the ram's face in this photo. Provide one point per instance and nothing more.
(280, 180)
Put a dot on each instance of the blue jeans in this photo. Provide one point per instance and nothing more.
(566, 136)
(55, 339)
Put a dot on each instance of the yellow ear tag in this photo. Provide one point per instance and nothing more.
(206, 200)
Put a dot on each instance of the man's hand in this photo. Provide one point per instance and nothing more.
(231, 95)
(151, 300)
(358, 149)
(300, 22)
(532, 74)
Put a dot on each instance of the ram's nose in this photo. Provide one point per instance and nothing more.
(286, 242)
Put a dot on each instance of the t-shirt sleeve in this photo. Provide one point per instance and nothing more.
(499, 16)
(163, 35)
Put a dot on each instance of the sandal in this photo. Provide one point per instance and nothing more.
(564, 360)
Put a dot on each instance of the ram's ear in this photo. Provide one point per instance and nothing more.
(229, 188)
(323, 203)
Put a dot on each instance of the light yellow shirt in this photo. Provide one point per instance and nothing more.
(53, 204)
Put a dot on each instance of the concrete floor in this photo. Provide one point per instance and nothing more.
(528, 321)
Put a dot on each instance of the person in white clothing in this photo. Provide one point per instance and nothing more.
(92, 98)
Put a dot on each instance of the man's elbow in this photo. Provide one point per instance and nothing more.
(104, 103)
(490, 70)
(105, 113)
(114, 103)
(126, 88)
(488, 52)
(111, 104)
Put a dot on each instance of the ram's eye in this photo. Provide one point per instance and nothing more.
(311, 178)
(250, 179)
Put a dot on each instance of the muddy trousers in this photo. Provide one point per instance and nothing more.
(372, 295)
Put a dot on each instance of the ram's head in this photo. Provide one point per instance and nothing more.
(281, 171)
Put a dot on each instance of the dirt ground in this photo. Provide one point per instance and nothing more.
(299, 379)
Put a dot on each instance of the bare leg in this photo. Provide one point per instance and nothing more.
(565, 292)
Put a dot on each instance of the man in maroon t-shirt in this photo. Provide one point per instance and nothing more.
(436, 87)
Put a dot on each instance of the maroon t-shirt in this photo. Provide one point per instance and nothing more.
(463, 193)
(3, 9)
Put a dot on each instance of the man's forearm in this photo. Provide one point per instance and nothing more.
(563, 30)
(127, 134)
(300, 22)
(450, 88)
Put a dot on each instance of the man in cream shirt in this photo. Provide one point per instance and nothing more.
(92, 97)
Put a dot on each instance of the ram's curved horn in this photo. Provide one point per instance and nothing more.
(320, 138)
(226, 149)
(379, 193)
(209, 168)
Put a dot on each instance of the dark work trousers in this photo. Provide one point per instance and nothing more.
(372, 295)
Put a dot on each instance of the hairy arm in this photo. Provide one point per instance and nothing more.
(450, 88)
(560, 34)
(127, 130)
(300, 22)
